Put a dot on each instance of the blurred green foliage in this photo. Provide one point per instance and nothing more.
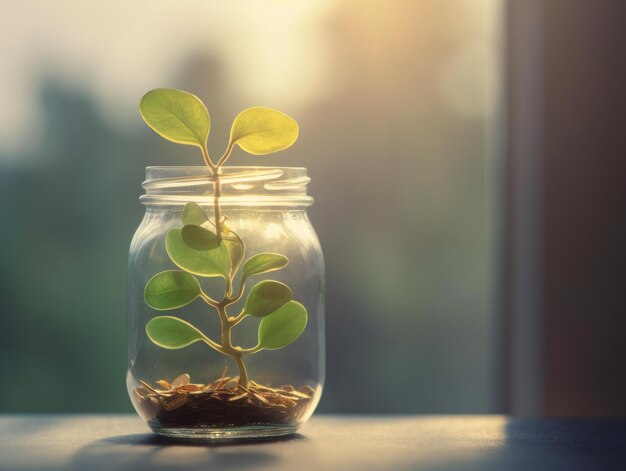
(405, 202)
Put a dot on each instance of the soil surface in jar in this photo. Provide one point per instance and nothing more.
(222, 403)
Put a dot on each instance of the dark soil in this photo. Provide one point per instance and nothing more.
(223, 403)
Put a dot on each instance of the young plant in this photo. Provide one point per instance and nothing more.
(206, 247)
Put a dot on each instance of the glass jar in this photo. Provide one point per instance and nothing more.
(226, 322)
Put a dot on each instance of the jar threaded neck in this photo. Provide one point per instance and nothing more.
(240, 186)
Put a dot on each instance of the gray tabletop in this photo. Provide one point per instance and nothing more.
(122, 442)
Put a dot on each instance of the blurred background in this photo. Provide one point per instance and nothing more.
(420, 129)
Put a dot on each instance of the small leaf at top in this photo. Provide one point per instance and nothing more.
(264, 262)
(266, 297)
(261, 131)
(193, 214)
(199, 238)
(176, 115)
(283, 326)
(172, 332)
(171, 289)
(214, 262)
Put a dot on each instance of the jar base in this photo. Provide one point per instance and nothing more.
(226, 434)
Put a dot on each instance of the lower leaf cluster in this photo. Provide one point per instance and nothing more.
(199, 252)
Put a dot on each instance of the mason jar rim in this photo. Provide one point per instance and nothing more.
(239, 186)
(229, 167)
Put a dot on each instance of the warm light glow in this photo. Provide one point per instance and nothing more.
(110, 49)
(274, 231)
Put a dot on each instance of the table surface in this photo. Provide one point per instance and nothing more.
(123, 442)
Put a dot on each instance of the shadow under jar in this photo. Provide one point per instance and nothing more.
(226, 336)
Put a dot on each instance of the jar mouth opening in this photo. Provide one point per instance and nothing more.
(239, 185)
(204, 169)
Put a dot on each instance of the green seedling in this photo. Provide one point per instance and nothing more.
(204, 247)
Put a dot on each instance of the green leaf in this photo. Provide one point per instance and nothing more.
(199, 238)
(263, 263)
(215, 262)
(266, 297)
(261, 131)
(283, 326)
(235, 250)
(193, 214)
(176, 115)
(172, 332)
(171, 289)
(234, 244)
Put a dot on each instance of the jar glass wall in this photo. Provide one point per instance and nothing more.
(195, 389)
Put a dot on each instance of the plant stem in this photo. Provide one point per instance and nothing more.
(228, 348)
(227, 324)
(212, 344)
(217, 192)
(251, 350)
(243, 372)
(207, 299)
(242, 286)
(224, 157)
(237, 319)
